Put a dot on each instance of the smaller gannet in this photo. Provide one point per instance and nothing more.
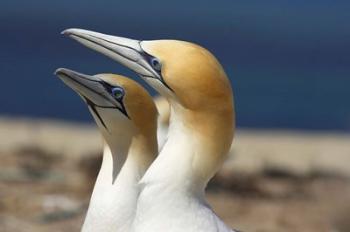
(202, 125)
(127, 118)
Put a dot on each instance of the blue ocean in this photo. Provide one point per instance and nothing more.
(288, 61)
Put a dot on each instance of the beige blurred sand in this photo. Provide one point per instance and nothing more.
(272, 180)
(299, 153)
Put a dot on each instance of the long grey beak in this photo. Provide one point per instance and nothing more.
(126, 51)
(90, 88)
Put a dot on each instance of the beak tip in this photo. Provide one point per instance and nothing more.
(67, 32)
(59, 71)
(56, 72)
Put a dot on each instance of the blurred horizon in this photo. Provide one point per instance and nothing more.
(288, 61)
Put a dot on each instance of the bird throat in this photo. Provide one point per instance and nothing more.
(92, 106)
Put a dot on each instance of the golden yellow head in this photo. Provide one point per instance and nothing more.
(123, 109)
(138, 103)
(194, 75)
(198, 87)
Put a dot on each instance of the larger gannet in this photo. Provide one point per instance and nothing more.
(127, 118)
(200, 134)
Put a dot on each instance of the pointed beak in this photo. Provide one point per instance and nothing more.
(90, 88)
(126, 51)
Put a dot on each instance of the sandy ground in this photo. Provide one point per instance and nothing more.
(272, 180)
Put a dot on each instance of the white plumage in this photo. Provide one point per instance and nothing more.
(200, 134)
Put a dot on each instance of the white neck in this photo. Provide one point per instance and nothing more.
(113, 201)
(172, 168)
(172, 191)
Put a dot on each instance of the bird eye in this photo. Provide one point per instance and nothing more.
(117, 93)
(156, 64)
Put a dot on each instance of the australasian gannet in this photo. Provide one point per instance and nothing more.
(200, 134)
(127, 118)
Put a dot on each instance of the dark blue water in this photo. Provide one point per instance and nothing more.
(289, 61)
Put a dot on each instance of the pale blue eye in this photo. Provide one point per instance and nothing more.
(156, 64)
(118, 93)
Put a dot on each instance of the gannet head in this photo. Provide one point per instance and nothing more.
(123, 110)
(188, 75)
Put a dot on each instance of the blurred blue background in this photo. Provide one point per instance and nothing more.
(289, 61)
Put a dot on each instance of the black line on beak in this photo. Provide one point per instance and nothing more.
(161, 80)
(105, 47)
(108, 41)
(82, 84)
(142, 53)
(93, 108)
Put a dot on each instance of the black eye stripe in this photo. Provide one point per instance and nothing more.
(153, 61)
(149, 59)
(107, 86)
